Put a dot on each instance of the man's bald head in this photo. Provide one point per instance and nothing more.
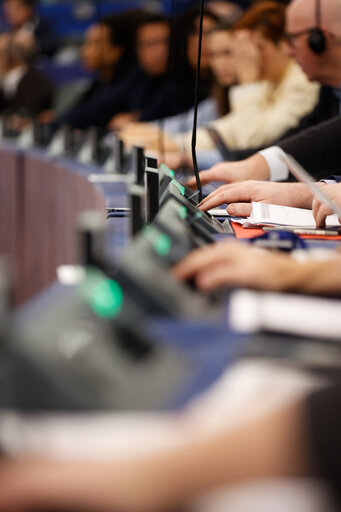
(301, 19)
(304, 12)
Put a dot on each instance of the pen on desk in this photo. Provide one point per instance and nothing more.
(304, 231)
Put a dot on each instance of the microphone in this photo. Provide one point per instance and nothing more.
(118, 155)
(152, 189)
(196, 101)
(139, 164)
(137, 191)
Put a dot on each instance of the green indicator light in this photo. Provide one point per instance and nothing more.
(103, 295)
(199, 215)
(163, 245)
(183, 212)
(170, 173)
(180, 187)
(107, 299)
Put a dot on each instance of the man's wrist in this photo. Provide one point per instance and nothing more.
(260, 168)
(301, 195)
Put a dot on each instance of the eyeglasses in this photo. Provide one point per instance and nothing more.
(219, 54)
(291, 36)
(153, 42)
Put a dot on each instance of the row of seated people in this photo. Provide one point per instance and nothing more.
(251, 92)
(119, 51)
(269, 96)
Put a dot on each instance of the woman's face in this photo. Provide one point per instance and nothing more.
(97, 50)
(193, 42)
(272, 57)
(220, 56)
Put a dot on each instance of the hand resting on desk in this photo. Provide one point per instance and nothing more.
(239, 196)
(236, 264)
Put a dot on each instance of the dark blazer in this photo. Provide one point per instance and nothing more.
(34, 94)
(46, 38)
(151, 97)
(327, 107)
(318, 149)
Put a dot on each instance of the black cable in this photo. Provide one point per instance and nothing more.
(318, 13)
(196, 101)
(178, 59)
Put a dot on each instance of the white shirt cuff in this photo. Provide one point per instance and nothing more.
(278, 169)
(328, 182)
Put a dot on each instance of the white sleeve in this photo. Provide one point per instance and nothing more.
(278, 169)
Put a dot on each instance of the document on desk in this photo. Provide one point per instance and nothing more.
(275, 215)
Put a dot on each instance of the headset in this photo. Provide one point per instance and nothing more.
(317, 40)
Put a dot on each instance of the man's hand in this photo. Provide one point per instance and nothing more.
(148, 136)
(239, 196)
(236, 264)
(253, 168)
(123, 119)
(320, 210)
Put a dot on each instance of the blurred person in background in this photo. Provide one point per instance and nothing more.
(325, 67)
(227, 11)
(24, 90)
(213, 94)
(145, 93)
(273, 93)
(105, 52)
(184, 56)
(183, 61)
(22, 14)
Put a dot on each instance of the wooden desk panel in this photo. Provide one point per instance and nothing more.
(40, 201)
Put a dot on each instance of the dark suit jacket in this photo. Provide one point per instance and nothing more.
(152, 97)
(34, 94)
(46, 37)
(327, 107)
(318, 149)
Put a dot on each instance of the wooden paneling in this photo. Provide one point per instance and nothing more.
(40, 200)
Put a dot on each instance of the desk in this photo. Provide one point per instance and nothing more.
(42, 223)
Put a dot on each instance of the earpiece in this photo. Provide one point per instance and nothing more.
(317, 40)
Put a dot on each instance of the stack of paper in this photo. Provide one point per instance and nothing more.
(273, 215)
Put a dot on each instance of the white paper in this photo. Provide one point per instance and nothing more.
(271, 214)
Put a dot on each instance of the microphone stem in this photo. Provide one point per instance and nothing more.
(196, 102)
